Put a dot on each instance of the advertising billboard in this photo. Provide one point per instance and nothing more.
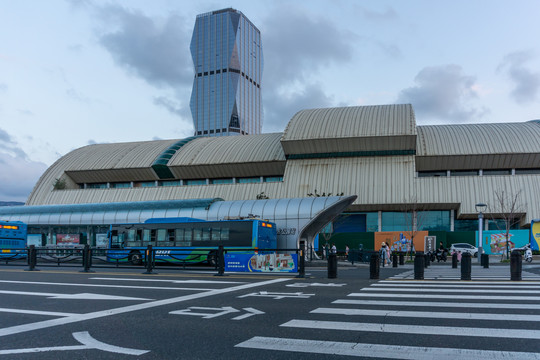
(494, 241)
(401, 240)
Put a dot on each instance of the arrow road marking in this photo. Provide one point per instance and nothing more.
(251, 312)
(220, 311)
(277, 296)
(314, 284)
(81, 296)
(88, 343)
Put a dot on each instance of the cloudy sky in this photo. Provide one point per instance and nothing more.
(78, 72)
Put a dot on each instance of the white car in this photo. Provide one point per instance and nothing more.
(464, 247)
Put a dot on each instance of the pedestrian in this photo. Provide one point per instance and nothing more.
(334, 249)
(388, 259)
(346, 250)
(382, 253)
(459, 256)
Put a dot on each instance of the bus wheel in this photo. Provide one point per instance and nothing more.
(135, 258)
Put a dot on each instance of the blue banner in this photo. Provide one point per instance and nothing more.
(261, 262)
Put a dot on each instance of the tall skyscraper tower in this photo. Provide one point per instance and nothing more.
(227, 55)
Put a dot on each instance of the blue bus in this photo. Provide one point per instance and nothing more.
(187, 239)
(12, 239)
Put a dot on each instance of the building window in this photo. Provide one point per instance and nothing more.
(96, 186)
(463, 172)
(121, 185)
(432, 174)
(273, 178)
(497, 172)
(148, 183)
(248, 180)
(195, 182)
(433, 220)
(527, 171)
(466, 225)
(221, 181)
(171, 183)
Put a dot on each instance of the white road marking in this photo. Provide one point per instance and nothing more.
(427, 304)
(305, 284)
(88, 343)
(126, 309)
(428, 314)
(380, 351)
(462, 283)
(444, 284)
(205, 315)
(415, 329)
(461, 290)
(446, 296)
(278, 295)
(81, 296)
(102, 285)
(172, 281)
(35, 312)
(250, 312)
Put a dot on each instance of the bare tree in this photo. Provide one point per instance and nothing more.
(414, 215)
(509, 209)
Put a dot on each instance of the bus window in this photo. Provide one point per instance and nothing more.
(115, 244)
(130, 237)
(170, 236)
(162, 236)
(153, 235)
(197, 234)
(224, 234)
(206, 234)
(146, 235)
(188, 236)
(216, 234)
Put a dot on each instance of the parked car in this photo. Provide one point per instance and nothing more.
(464, 247)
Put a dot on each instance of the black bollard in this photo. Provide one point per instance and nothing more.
(419, 267)
(221, 262)
(466, 266)
(515, 265)
(150, 258)
(374, 266)
(301, 265)
(332, 266)
(394, 260)
(401, 259)
(485, 261)
(454, 261)
(32, 258)
(86, 258)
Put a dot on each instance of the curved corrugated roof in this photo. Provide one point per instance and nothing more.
(470, 139)
(229, 156)
(230, 149)
(354, 129)
(351, 121)
(478, 146)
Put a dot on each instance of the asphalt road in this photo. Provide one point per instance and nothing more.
(59, 313)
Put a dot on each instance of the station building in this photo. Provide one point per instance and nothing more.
(370, 164)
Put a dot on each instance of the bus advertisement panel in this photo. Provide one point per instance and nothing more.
(271, 262)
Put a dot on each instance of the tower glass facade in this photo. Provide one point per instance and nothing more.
(227, 56)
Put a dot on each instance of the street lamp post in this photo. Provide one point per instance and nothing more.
(480, 208)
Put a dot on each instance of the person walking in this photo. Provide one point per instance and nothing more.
(382, 253)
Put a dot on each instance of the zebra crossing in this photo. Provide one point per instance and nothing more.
(477, 273)
(415, 319)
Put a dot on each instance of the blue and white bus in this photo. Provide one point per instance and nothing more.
(12, 239)
(187, 239)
